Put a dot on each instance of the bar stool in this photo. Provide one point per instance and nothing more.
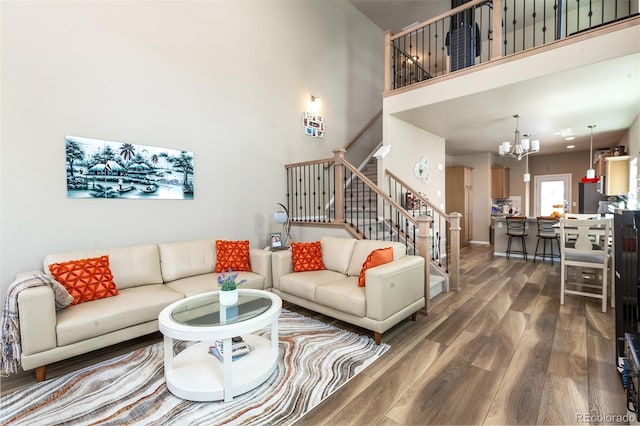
(547, 233)
(517, 228)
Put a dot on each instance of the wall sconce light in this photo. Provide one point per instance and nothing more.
(314, 104)
(382, 152)
(312, 122)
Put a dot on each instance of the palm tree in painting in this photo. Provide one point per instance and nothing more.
(127, 151)
(184, 163)
(155, 159)
(74, 152)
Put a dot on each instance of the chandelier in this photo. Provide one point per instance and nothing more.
(521, 147)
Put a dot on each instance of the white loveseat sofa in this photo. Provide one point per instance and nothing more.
(393, 291)
(148, 277)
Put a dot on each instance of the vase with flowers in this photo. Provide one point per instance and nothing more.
(227, 281)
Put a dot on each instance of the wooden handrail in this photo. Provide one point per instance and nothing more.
(416, 193)
(377, 190)
(364, 129)
(444, 15)
(308, 163)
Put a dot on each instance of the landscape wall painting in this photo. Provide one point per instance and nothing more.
(106, 169)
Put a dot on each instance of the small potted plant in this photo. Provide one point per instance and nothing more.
(229, 287)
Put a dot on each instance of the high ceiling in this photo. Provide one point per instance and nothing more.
(606, 94)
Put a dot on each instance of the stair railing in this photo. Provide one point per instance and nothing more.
(335, 192)
(444, 238)
(481, 31)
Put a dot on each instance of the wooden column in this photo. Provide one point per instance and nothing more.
(496, 43)
(387, 60)
(339, 185)
(424, 231)
(454, 264)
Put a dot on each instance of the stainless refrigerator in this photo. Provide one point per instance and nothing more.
(590, 198)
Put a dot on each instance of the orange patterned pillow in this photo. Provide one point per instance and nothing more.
(375, 258)
(307, 256)
(85, 279)
(232, 254)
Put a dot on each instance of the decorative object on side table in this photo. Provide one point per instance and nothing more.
(281, 217)
(229, 287)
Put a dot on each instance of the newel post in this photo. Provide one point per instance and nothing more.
(387, 60)
(339, 184)
(496, 42)
(454, 265)
(424, 234)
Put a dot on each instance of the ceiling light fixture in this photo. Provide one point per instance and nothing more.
(520, 148)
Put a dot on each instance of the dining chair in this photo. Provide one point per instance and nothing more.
(547, 234)
(584, 244)
(517, 228)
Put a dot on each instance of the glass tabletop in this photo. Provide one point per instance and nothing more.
(206, 310)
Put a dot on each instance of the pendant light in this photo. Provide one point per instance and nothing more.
(527, 176)
(591, 173)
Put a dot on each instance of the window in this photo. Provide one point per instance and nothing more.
(550, 191)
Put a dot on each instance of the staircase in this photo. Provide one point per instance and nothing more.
(333, 192)
(358, 199)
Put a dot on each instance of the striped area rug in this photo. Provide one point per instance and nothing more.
(315, 360)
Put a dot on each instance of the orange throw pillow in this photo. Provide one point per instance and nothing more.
(232, 254)
(85, 279)
(375, 258)
(307, 256)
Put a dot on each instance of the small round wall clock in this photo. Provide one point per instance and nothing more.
(420, 169)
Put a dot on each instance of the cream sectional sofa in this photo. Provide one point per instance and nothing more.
(393, 291)
(148, 277)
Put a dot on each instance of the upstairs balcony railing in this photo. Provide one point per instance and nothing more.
(482, 30)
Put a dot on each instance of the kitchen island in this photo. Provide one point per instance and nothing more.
(501, 238)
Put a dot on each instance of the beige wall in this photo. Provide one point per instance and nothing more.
(409, 144)
(481, 192)
(227, 80)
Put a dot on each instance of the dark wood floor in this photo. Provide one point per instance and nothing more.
(501, 351)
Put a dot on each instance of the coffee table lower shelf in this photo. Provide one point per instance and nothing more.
(196, 375)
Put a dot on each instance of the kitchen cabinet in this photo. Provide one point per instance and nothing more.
(459, 198)
(617, 175)
(499, 182)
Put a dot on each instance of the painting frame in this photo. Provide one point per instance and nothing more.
(275, 240)
(98, 168)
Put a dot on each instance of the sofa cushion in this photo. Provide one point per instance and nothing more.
(135, 305)
(197, 284)
(375, 258)
(306, 256)
(187, 258)
(130, 266)
(343, 295)
(303, 284)
(85, 279)
(364, 247)
(336, 253)
(232, 255)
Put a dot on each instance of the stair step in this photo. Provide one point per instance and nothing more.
(437, 285)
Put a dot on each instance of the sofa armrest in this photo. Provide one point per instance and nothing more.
(261, 265)
(281, 265)
(394, 286)
(37, 315)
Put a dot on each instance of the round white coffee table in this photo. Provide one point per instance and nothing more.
(197, 375)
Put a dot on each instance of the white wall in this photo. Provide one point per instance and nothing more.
(227, 80)
(408, 144)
